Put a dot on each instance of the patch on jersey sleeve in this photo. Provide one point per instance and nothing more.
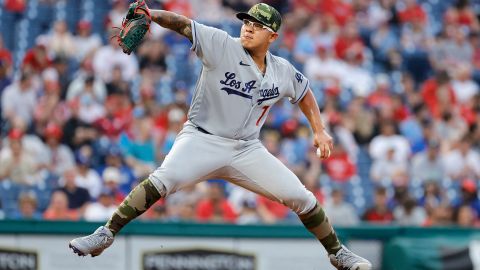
(299, 77)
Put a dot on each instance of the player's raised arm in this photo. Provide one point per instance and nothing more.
(173, 21)
(321, 139)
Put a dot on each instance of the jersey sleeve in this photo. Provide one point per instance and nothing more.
(209, 43)
(298, 84)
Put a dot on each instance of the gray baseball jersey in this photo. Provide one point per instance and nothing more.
(231, 102)
(232, 97)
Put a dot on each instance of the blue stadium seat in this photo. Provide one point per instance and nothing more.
(74, 10)
(9, 195)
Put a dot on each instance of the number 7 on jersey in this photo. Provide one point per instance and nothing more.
(264, 108)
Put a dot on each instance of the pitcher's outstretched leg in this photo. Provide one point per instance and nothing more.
(317, 223)
(136, 203)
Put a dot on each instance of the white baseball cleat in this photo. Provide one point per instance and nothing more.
(92, 244)
(347, 260)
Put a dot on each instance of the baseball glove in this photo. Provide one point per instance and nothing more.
(134, 26)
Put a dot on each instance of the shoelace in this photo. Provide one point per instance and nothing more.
(97, 239)
(347, 258)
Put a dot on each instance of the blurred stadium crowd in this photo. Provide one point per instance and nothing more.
(397, 82)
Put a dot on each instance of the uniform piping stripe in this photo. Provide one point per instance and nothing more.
(195, 41)
(302, 93)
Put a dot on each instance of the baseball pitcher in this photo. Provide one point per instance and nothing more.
(239, 82)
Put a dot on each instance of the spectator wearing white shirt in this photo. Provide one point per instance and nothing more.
(451, 127)
(19, 99)
(388, 139)
(324, 67)
(409, 214)
(111, 179)
(384, 169)
(90, 100)
(85, 41)
(117, 13)
(340, 212)
(209, 11)
(103, 209)
(111, 55)
(463, 161)
(358, 78)
(16, 164)
(77, 87)
(87, 177)
(428, 165)
(455, 49)
(463, 85)
(375, 15)
(30, 142)
(60, 42)
(58, 156)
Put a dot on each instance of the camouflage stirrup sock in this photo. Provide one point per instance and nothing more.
(136, 203)
(317, 223)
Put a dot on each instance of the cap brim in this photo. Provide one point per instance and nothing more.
(243, 15)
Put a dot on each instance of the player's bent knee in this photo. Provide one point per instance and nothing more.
(168, 180)
(159, 185)
(301, 202)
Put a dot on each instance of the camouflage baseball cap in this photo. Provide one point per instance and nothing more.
(263, 14)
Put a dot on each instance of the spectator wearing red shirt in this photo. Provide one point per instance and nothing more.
(341, 10)
(412, 12)
(349, 45)
(381, 97)
(311, 182)
(58, 208)
(438, 94)
(36, 59)
(5, 54)
(17, 6)
(215, 207)
(474, 40)
(462, 15)
(379, 212)
(118, 116)
(5, 79)
(401, 112)
(271, 211)
(179, 6)
(339, 166)
(310, 6)
(5, 66)
(441, 215)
